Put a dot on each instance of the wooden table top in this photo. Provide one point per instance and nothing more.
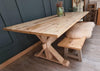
(48, 26)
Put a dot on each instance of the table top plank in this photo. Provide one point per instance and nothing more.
(48, 26)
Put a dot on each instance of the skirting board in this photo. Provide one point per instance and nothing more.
(14, 58)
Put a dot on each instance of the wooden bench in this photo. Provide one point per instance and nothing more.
(75, 44)
(75, 39)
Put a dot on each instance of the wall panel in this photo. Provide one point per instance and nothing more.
(68, 4)
(31, 9)
(4, 34)
(53, 6)
(47, 7)
(10, 16)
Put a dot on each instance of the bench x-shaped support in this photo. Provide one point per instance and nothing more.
(49, 53)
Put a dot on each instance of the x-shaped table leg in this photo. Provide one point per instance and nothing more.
(49, 53)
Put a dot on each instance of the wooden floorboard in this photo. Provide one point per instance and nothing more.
(91, 59)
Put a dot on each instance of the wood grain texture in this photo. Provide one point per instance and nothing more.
(98, 20)
(49, 26)
(72, 43)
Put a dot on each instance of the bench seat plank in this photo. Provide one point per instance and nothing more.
(72, 43)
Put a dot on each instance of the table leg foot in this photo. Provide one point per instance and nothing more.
(64, 63)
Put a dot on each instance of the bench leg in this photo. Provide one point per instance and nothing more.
(78, 56)
(65, 52)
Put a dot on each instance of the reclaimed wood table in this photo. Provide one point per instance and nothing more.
(48, 29)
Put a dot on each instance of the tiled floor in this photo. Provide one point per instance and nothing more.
(91, 59)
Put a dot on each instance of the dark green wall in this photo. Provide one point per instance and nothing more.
(17, 11)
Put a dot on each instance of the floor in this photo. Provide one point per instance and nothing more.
(91, 59)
